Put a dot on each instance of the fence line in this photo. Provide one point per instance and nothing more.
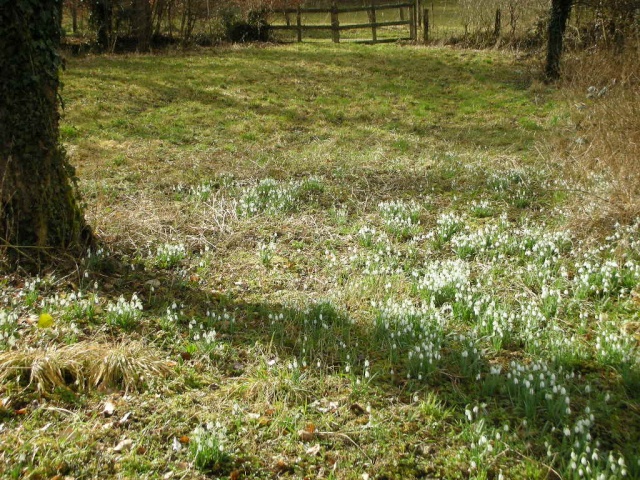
(335, 27)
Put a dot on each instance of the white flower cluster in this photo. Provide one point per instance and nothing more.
(615, 347)
(414, 331)
(538, 244)
(202, 192)
(444, 281)
(585, 459)
(272, 197)
(496, 324)
(447, 225)
(600, 277)
(400, 217)
(368, 236)
(486, 241)
(386, 260)
(124, 313)
(202, 334)
(8, 328)
(506, 180)
(269, 197)
(266, 251)
(470, 355)
(481, 208)
(537, 388)
(208, 445)
(169, 255)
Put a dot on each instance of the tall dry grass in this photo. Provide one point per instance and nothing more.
(604, 153)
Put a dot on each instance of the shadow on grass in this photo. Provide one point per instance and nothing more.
(318, 338)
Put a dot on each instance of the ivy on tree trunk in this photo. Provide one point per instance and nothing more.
(39, 214)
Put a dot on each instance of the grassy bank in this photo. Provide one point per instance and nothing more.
(323, 262)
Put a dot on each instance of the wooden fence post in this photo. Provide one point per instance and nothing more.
(299, 23)
(335, 23)
(417, 16)
(412, 22)
(374, 33)
(425, 22)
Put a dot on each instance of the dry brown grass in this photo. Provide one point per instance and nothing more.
(85, 365)
(605, 153)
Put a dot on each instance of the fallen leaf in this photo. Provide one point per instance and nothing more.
(125, 418)
(175, 445)
(281, 467)
(109, 408)
(238, 367)
(306, 436)
(124, 444)
(313, 450)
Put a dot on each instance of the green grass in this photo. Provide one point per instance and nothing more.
(347, 260)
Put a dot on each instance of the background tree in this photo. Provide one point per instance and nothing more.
(142, 27)
(38, 207)
(560, 11)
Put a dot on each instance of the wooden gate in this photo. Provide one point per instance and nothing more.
(408, 16)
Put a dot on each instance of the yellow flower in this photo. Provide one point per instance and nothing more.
(45, 321)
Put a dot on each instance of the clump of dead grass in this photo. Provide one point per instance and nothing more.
(604, 156)
(85, 365)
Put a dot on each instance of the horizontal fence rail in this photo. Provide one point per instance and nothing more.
(364, 8)
(336, 27)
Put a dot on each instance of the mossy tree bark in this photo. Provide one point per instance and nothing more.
(39, 214)
(560, 11)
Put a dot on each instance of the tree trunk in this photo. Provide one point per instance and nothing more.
(142, 24)
(74, 16)
(560, 10)
(39, 215)
(102, 18)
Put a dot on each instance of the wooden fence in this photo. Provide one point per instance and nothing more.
(336, 27)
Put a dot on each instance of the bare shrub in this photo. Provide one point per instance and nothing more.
(605, 155)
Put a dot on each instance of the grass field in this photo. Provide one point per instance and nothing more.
(323, 262)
